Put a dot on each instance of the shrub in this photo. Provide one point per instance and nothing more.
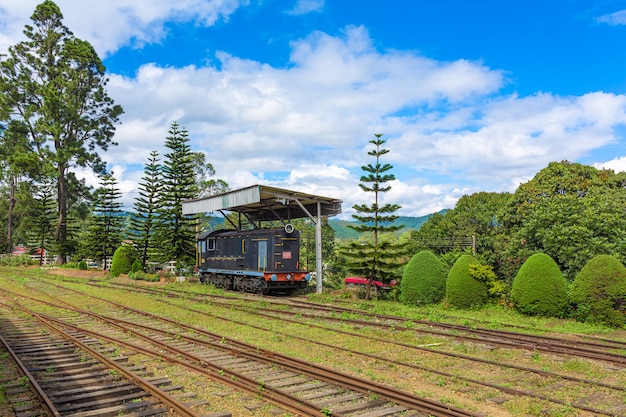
(121, 262)
(136, 266)
(22, 260)
(599, 291)
(423, 280)
(461, 289)
(539, 288)
(140, 275)
(82, 265)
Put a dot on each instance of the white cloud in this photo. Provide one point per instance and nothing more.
(616, 164)
(307, 6)
(111, 24)
(306, 126)
(613, 19)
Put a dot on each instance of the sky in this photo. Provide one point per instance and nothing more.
(470, 96)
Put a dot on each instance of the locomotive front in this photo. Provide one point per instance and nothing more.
(257, 260)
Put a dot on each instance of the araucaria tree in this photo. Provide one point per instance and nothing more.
(54, 84)
(105, 233)
(176, 234)
(145, 217)
(374, 258)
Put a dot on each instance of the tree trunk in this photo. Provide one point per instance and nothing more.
(61, 229)
(12, 201)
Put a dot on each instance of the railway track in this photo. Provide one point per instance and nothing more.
(291, 383)
(263, 304)
(603, 350)
(72, 374)
(616, 389)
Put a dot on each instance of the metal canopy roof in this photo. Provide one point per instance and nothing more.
(262, 203)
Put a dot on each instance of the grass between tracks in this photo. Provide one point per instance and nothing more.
(242, 321)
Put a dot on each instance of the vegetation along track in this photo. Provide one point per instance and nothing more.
(69, 373)
(291, 383)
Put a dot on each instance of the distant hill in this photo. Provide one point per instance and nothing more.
(342, 231)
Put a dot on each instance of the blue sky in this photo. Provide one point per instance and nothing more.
(471, 96)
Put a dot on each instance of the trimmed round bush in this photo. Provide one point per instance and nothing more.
(462, 290)
(539, 288)
(423, 280)
(122, 260)
(599, 291)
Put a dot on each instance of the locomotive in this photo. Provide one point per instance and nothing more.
(257, 260)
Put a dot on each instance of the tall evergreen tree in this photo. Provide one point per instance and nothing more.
(54, 83)
(145, 216)
(105, 233)
(375, 258)
(42, 223)
(176, 232)
(17, 168)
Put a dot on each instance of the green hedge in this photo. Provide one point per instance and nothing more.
(462, 290)
(122, 261)
(423, 280)
(599, 291)
(539, 288)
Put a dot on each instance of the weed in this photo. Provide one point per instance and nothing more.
(24, 382)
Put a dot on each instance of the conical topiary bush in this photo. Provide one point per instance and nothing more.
(462, 290)
(423, 280)
(539, 288)
(599, 291)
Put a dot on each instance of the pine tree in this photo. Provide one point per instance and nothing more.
(105, 233)
(54, 84)
(176, 234)
(145, 217)
(41, 225)
(375, 258)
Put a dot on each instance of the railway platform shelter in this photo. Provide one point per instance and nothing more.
(259, 203)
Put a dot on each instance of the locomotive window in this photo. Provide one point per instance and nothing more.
(211, 243)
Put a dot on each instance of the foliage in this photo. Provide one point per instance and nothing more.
(176, 231)
(53, 84)
(571, 212)
(375, 259)
(122, 261)
(22, 260)
(105, 233)
(496, 289)
(82, 265)
(599, 291)
(539, 287)
(472, 224)
(143, 276)
(462, 290)
(145, 217)
(204, 173)
(136, 266)
(308, 252)
(41, 223)
(424, 280)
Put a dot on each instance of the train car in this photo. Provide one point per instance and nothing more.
(258, 260)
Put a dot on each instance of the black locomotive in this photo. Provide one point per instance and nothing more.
(258, 260)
